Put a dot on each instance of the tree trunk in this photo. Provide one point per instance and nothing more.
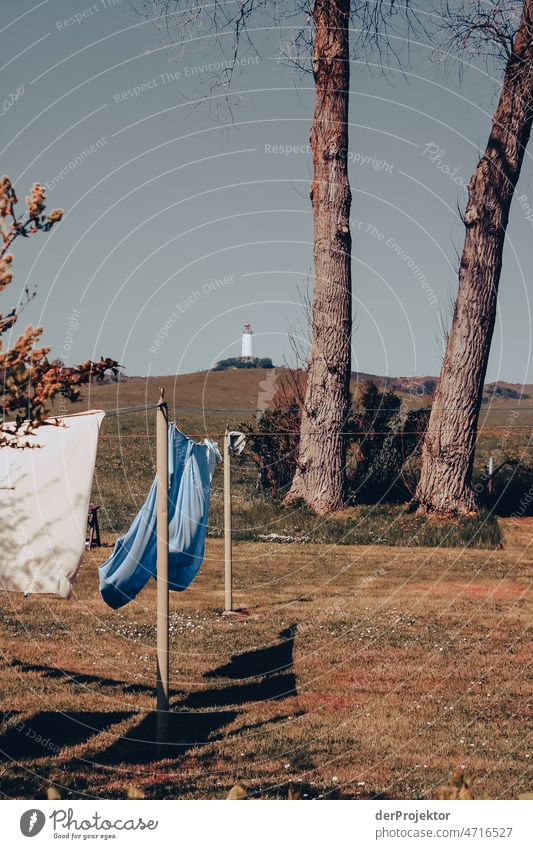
(448, 450)
(320, 476)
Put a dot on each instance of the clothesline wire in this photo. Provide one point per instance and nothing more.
(142, 407)
(481, 431)
(138, 408)
(369, 410)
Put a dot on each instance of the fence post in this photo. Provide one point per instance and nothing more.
(228, 578)
(162, 699)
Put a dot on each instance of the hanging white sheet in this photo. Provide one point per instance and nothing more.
(44, 499)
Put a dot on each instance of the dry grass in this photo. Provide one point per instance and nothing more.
(126, 457)
(240, 389)
(361, 672)
(125, 470)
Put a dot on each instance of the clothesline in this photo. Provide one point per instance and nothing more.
(138, 408)
(174, 410)
(481, 431)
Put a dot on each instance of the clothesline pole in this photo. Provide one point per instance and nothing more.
(162, 702)
(228, 578)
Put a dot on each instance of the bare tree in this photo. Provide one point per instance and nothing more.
(321, 43)
(320, 470)
(496, 27)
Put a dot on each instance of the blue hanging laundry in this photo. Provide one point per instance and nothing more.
(190, 466)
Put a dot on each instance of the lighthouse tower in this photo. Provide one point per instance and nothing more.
(247, 341)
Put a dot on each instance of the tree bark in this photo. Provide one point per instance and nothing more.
(448, 451)
(320, 476)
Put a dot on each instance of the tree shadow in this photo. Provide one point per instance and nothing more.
(47, 733)
(270, 660)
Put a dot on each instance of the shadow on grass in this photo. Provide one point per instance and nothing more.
(267, 672)
(79, 678)
(186, 731)
(267, 661)
(261, 675)
(46, 734)
(193, 722)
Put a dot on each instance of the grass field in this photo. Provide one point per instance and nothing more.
(125, 469)
(381, 650)
(361, 671)
(205, 402)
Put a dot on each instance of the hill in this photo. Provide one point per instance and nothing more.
(246, 390)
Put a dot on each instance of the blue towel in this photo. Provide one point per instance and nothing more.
(133, 562)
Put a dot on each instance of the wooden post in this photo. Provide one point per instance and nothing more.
(162, 702)
(228, 594)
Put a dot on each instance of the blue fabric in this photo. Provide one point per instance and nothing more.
(133, 562)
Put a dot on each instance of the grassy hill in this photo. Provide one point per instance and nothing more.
(244, 390)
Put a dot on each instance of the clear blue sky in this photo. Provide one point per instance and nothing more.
(178, 229)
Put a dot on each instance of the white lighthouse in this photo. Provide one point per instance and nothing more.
(247, 341)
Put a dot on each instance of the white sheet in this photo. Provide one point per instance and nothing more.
(44, 499)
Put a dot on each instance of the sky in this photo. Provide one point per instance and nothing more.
(184, 220)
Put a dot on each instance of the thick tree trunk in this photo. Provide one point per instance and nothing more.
(448, 450)
(320, 476)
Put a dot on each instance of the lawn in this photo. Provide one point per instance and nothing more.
(382, 650)
(205, 402)
(125, 468)
(361, 671)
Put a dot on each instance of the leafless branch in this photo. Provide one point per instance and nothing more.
(484, 28)
(379, 28)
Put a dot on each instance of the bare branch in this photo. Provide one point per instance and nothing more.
(379, 28)
(485, 28)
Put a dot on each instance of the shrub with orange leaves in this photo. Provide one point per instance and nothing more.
(29, 380)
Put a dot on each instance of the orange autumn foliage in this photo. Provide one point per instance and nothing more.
(29, 380)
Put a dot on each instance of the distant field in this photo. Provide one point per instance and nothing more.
(205, 402)
(362, 671)
(241, 389)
